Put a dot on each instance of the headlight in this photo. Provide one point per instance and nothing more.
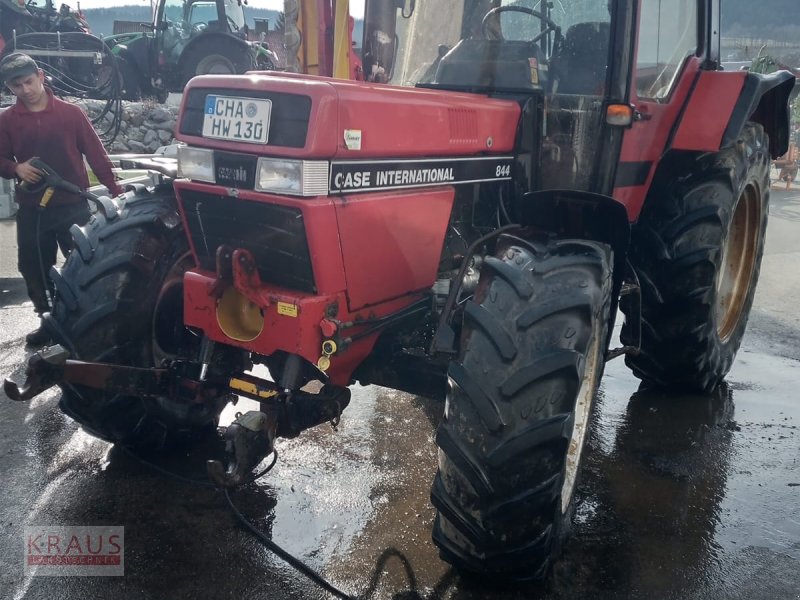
(293, 177)
(196, 164)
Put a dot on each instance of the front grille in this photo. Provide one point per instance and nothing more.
(288, 125)
(235, 170)
(274, 235)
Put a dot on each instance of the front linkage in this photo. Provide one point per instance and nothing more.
(249, 439)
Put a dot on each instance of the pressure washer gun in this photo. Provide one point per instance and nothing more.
(52, 181)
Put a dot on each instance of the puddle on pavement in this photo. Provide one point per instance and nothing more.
(329, 483)
(676, 487)
(358, 492)
(678, 491)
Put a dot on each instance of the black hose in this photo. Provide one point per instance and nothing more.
(294, 562)
(286, 556)
(47, 293)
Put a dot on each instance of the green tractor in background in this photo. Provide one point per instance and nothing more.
(186, 38)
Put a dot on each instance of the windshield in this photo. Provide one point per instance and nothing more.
(451, 42)
(553, 56)
(235, 14)
(202, 12)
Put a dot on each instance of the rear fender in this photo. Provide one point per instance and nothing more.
(765, 100)
(722, 102)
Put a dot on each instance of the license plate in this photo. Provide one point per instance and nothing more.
(237, 119)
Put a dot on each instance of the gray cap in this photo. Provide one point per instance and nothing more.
(16, 65)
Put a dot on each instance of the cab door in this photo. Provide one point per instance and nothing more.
(676, 59)
(172, 32)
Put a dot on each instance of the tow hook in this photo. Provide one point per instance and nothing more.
(44, 370)
(248, 440)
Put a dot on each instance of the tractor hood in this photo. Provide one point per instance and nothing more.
(300, 116)
(123, 38)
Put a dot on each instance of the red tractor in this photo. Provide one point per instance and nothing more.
(462, 224)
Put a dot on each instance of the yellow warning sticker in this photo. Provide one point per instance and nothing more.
(287, 310)
(534, 66)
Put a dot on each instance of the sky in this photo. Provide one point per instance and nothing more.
(356, 5)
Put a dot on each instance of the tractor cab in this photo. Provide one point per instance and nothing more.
(556, 62)
(182, 26)
(576, 69)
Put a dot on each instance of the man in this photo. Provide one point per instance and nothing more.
(42, 126)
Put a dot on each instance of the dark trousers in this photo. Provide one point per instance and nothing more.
(37, 256)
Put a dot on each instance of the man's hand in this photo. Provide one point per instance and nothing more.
(28, 173)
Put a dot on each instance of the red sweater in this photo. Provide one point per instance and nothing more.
(61, 135)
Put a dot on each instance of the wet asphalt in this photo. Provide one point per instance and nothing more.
(684, 497)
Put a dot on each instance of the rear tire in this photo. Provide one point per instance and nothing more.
(215, 57)
(518, 406)
(697, 250)
(215, 64)
(119, 299)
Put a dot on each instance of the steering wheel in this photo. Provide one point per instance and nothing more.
(493, 34)
(199, 27)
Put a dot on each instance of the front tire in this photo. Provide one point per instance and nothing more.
(518, 406)
(119, 300)
(697, 251)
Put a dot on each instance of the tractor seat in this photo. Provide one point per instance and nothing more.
(581, 65)
(495, 64)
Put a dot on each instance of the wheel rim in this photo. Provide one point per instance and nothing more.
(171, 339)
(738, 262)
(215, 65)
(583, 408)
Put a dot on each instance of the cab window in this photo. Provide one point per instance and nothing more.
(668, 35)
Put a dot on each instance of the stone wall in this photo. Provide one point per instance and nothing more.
(145, 125)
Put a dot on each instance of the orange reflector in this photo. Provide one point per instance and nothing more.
(619, 114)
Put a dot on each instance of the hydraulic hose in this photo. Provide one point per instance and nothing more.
(48, 194)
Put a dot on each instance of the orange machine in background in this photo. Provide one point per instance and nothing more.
(788, 165)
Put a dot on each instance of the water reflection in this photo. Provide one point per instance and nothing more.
(650, 505)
